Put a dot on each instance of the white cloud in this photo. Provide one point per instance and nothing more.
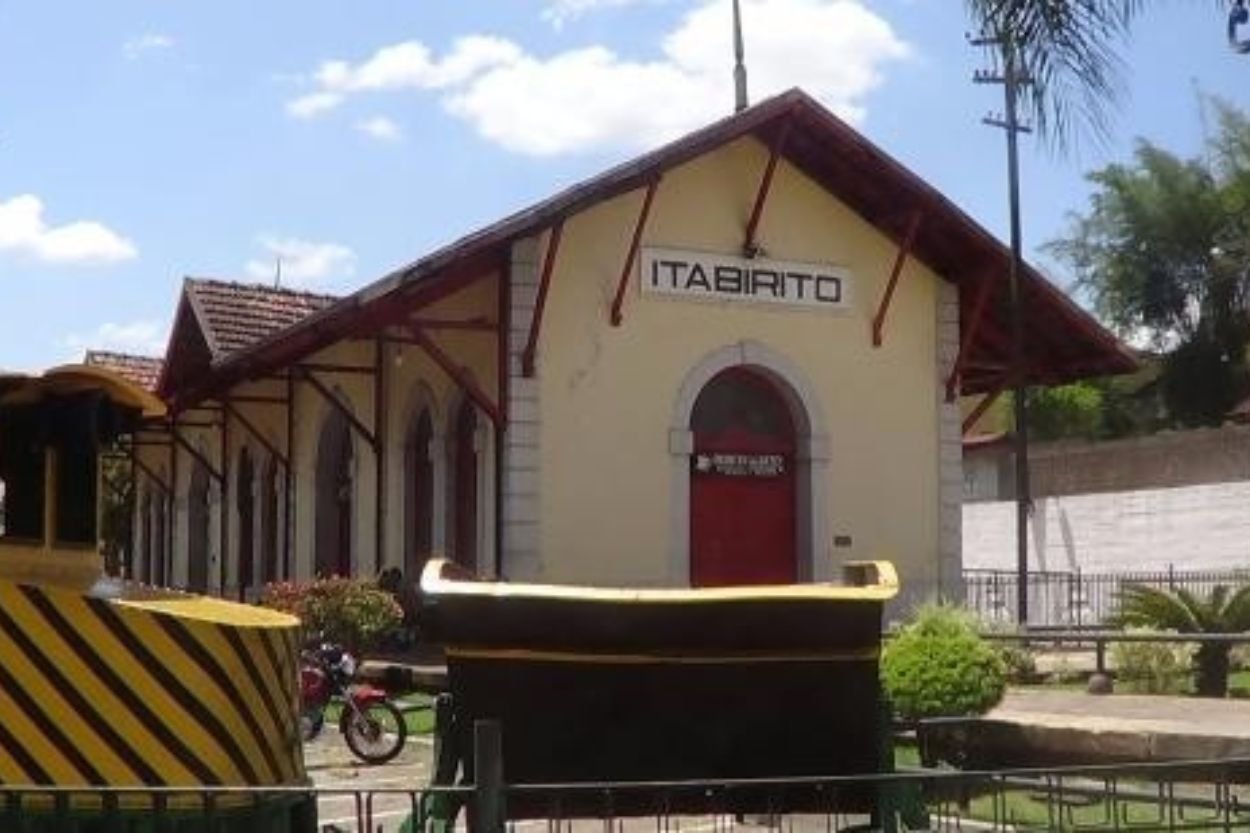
(24, 231)
(150, 42)
(380, 128)
(304, 263)
(144, 337)
(590, 97)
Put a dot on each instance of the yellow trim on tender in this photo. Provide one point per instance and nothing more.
(528, 655)
(74, 378)
(884, 586)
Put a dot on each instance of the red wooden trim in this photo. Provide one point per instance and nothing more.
(181, 441)
(904, 250)
(749, 244)
(970, 334)
(630, 258)
(457, 374)
(481, 324)
(334, 368)
(540, 303)
(329, 397)
(984, 405)
(250, 427)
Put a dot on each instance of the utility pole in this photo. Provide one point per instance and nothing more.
(1012, 78)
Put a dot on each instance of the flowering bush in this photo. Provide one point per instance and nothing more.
(351, 612)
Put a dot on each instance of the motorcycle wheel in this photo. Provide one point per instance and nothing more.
(376, 733)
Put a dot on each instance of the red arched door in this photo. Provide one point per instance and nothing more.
(742, 485)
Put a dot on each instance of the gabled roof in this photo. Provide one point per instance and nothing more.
(144, 371)
(227, 317)
(1064, 342)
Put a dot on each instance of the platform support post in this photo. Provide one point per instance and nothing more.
(488, 814)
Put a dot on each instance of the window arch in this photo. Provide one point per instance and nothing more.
(245, 501)
(335, 498)
(418, 492)
(198, 529)
(465, 487)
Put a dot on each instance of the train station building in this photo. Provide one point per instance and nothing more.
(736, 359)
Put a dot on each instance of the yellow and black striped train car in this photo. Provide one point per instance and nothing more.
(120, 700)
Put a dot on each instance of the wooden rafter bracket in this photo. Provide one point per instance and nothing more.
(458, 375)
(233, 412)
(969, 335)
(750, 245)
(151, 475)
(984, 405)
(904, 251)
(480, 324)
(619, 301)
(182, 443)
(328, 395)
(540, 303)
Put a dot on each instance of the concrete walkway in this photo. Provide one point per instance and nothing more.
(1032, 727)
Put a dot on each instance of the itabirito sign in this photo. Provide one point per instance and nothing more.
(699, 275)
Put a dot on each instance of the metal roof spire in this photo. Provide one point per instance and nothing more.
(740, 70)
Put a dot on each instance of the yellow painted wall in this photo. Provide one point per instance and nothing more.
(608, 394)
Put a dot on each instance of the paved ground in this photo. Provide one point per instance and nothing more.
(331, 765)
(1136, 712)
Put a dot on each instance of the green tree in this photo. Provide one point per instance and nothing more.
(1224, 611)
(1066, 412)
(1162, 252)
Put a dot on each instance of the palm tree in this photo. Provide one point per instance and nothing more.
(1224, 611)
(1068, 49)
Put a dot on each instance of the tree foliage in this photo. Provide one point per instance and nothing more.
(1069, 49)
(1226, 610)
(1163, 252)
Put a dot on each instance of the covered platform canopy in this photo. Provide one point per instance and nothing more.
(1063, 343)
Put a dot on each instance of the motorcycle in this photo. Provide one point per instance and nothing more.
(372, 725)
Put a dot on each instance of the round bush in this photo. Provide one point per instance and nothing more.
(350, 612)
(937, 666)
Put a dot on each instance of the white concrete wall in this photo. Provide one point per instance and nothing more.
(1192, 527)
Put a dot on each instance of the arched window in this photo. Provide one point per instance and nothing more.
(245, 498)
(158, 567)
(148, 531)
(465, 505)
(269, 521)
(418, 494)
(197, 530)
(335, 498)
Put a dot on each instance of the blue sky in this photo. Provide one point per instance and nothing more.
(145, 140)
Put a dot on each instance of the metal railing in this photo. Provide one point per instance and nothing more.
(1077, 599)
(1144, 798)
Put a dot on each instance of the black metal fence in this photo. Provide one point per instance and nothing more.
(1190, 796)
(1077, 599)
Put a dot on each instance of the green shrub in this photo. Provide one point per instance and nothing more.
(351, 612)
(1153, 667)
(939, 666)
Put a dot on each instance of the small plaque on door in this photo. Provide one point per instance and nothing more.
(740, 465)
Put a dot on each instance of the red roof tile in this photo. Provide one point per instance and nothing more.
(144, 371)
(237, 315)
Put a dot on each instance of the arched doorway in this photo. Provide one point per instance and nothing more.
(197, 530)
(743, 506)
(465, 502)
(245, 497)
(418, 494)
(334, 498)
(269, 522)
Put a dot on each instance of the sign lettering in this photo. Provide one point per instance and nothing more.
(726, 278)
(741, 465)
